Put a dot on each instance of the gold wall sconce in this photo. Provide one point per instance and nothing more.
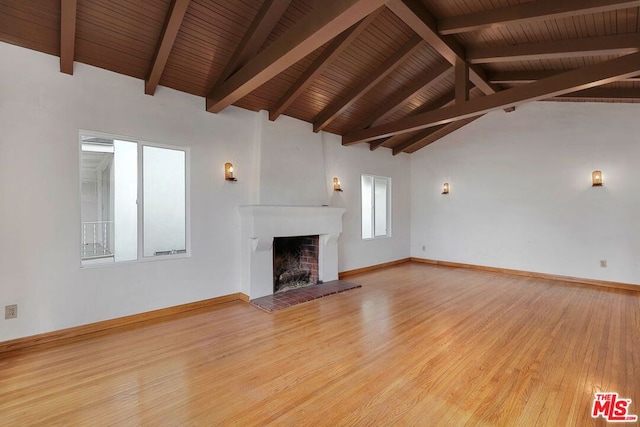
(445, 188)
(228, 172)
(596, 179)
(336, 184)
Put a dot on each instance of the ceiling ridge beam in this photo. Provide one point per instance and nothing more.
(404, 96)
(169, 33)
(68, 12)
(326, 58)
(330, 113)
(529, 12)
(416, 16)
(620, 44)
(571, 81)
(318, 27)
(253, 39)
(520, 77)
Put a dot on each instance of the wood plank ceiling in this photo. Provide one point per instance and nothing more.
(393, 73)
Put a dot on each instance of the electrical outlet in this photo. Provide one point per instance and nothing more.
(603, 263)
(11, 311)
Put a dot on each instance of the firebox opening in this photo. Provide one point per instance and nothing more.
(295, 262)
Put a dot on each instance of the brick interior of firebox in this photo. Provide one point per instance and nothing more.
(295, 262)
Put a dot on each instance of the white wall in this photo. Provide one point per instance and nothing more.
(291, 163)
(520, 191)
(521, 194)
(41, 112)
(349, 164)
(298, 166)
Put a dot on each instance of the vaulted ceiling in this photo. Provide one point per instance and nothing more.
(391, 73)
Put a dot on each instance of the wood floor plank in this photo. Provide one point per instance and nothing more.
(416, 345)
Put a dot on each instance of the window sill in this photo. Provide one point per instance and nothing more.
(144, 260)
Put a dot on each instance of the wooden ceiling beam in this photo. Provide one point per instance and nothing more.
(571, 81)
(374, 145)
(416, 16)
(441, 133)
(461, 81)
(68, 10)
(419, 19)
(443, 101)
(448, 99)
(172, 25)
(429, 136)
(253, 39)
(330, 113)
(529, 12)
(605, 94)
(593, 46)
(404, 96)
(418, 137)
(335, 48)
(318, 27)
(520, 77)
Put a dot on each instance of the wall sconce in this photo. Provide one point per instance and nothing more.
(228, 172)
(336, 184)
(445, 188)
(596, 178)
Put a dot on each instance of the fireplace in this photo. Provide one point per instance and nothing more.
(263, 225)
(295, 262)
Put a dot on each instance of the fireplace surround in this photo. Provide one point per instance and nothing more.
(262, 223)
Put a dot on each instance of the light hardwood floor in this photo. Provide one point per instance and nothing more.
(416, 345)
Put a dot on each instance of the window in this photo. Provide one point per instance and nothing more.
(376, 206)
(131, 192)
(164, 190)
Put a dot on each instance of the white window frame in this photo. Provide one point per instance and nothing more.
(140, 198)
(372, 208)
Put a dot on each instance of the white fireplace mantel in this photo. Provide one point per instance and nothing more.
(261, 223)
